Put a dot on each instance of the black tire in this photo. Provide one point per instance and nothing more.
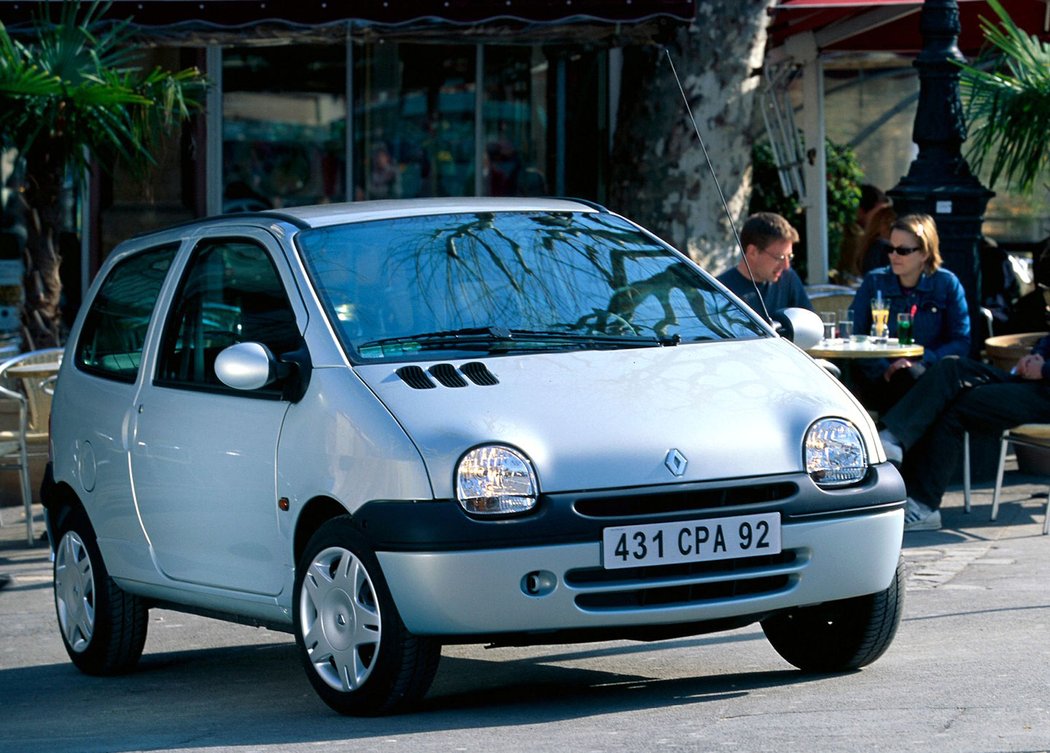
(840, 635)
(358, 654)
(103, 628)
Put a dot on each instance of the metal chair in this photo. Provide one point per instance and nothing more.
(832, 301)
(14, 455)
(1026, 435)
(28, 380)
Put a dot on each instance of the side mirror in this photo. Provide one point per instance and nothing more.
(246, 366)
(802, 326)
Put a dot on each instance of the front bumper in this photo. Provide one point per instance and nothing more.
(486, 592)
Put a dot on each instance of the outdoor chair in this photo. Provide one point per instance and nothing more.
(14, 455)
(830, 298)
(26, 381)
(1026, 435)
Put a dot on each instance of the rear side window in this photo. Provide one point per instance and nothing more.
(231, 294)
(114, 331)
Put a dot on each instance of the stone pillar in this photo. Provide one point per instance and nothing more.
(939, 181)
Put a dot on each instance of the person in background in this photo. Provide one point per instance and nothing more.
(915, 283)
(875, 246)
(924, 432)
(1000, 289)
(1031, 313)
(849, 269)
(768, 241)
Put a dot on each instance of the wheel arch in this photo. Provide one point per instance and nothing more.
(60, 500)
(315, 513)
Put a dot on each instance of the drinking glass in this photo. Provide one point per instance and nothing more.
(828, 317)
(904, 329)
(880, 316)
(846, 325)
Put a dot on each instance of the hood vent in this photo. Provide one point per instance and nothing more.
(415, 378)
(479, 374)
(446, 374)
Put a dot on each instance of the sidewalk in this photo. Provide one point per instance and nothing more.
(21, 563)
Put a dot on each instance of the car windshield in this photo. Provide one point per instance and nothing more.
(501, 282)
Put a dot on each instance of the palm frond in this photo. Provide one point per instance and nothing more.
(80, 91)
(19, 73)
(1008, 104)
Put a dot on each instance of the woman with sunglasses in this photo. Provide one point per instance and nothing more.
(915, 283)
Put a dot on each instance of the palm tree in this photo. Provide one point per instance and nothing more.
(71, 97)
(1009, 104)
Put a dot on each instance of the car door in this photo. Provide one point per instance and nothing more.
(203, 456)
(94, 398)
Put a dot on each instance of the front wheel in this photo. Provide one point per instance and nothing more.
(839, 635)
(103, 627)
(358, 654)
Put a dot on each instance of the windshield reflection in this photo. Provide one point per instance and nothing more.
(396, 287)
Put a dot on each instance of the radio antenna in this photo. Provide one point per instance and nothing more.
(718, 186)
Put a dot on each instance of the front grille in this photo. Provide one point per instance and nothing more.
(656, 502)
(683, 584)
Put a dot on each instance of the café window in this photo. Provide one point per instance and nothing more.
(424, 120)
(514, 111)
(284, 126)
(414, 120)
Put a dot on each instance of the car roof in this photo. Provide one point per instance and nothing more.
(324, 215)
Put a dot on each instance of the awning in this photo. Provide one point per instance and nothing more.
(893, 25)
(232, 12)
(241, 21)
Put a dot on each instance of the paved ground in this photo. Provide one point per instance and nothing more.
(969, 671)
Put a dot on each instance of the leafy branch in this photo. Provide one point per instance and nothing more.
(1007, 99)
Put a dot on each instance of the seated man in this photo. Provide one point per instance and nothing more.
(924, 431)
(767, 239)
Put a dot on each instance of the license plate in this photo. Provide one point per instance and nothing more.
(691, 541)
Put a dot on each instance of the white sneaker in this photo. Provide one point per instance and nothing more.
(919, 517)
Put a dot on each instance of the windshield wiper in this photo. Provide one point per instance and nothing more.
(492, 338)
(465, 337)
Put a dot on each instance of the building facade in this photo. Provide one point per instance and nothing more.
(310, 105)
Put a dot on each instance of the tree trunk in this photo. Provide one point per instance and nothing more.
(660, 175)
(42, 316)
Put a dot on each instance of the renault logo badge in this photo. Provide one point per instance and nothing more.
(675, 462)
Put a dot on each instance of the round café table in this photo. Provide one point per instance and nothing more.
(840, 348)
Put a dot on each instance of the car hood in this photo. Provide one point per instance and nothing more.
(607, 419)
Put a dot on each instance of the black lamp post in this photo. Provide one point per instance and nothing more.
(939, 181)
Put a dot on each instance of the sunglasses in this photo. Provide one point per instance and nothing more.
(780, 258)
(903, 250)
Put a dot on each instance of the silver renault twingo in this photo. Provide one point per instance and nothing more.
(388, 426)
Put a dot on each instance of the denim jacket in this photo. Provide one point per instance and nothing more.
(942, 319)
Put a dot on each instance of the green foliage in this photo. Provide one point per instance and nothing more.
(844, 178)
(1008, 104)
(76, 91)
(843, 195)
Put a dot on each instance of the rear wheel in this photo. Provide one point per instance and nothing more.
(839, 635)
(103, 627)
(358, 654)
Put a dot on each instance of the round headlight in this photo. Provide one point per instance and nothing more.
(834, 453)
(495, 480)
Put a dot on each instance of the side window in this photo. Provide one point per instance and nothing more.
(114, 331)
(230, 293)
